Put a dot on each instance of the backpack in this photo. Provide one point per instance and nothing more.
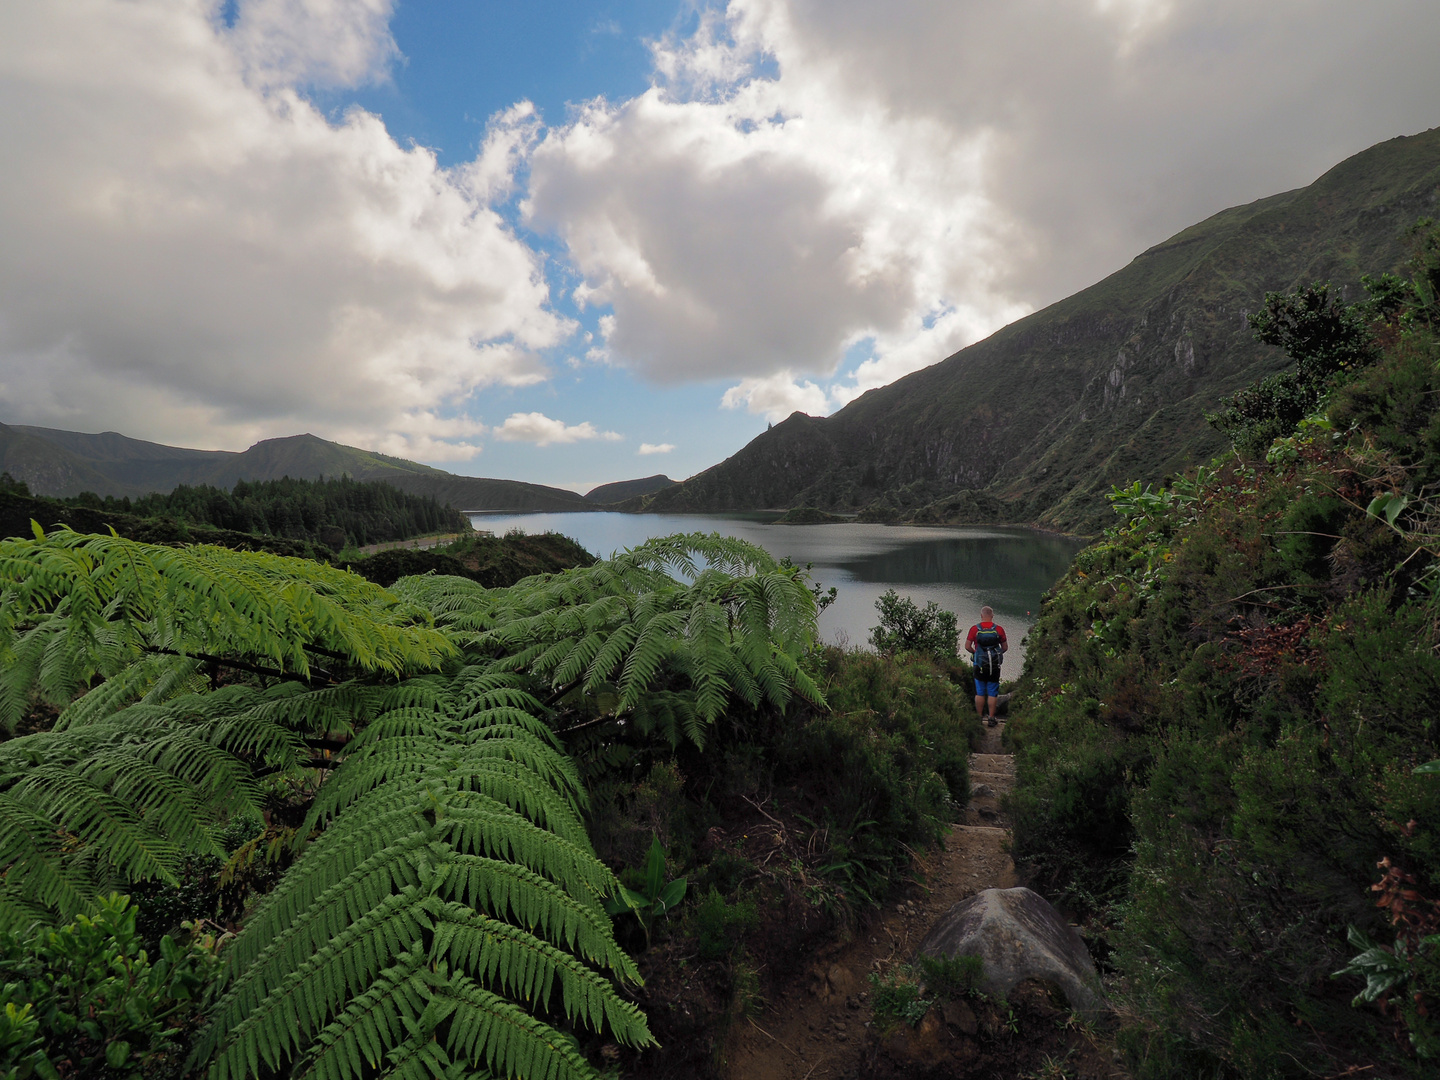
(988, 654)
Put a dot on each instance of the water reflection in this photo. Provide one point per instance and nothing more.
(960, 568)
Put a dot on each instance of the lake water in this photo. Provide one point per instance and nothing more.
(959, 567)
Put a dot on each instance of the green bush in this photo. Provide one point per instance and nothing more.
(87, 998)
(886, 769)
(1217, 730)
(906, 627)
(951, 976)
(895, 999)
(721, 926)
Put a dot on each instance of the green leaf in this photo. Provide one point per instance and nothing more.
(1430, 768)
(671, 895)
(625, 900)
(1389, 506)
(117, 1053)
(654, 869)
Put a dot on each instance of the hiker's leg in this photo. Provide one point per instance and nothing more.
(994, 704)
(985, 691)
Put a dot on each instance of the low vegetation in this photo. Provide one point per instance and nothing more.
(258, 814)
(1226, 706)
(492, 561)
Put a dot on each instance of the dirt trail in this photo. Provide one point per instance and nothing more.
(815, 1028)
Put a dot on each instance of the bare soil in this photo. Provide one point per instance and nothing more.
(817, 1022)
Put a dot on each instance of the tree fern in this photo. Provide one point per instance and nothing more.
(738, 625)
(448, 915)
(454, 846)
(74, 607)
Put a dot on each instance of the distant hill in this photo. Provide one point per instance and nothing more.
(1035, 423)
(64, 463)
(629, 489)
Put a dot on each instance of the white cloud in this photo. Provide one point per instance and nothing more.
(537, 428)
(655, 448)
(331, 43)
(806, 175)
(777, 396)
(424, 436)
(194, 252)
(740, 226)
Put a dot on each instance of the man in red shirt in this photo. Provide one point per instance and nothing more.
(987, 647)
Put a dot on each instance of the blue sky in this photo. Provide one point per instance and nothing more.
(574, 243)
(464, 62)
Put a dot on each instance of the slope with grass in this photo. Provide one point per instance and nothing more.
(1221, 731)
(1036, 422)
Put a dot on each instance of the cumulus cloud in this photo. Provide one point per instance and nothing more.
(537, 428)
(194, 251)
(741, 226)
(647, 448)
(806, 177)
(777, 396)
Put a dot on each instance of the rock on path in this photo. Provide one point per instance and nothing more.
(815, 1028)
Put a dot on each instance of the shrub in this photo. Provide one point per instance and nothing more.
(952, 976)
(88, 999)
(720, 926)
(895, 999)
(905, 627)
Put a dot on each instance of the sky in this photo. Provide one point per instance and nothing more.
(577, 242)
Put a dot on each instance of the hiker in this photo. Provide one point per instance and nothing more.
(987, 646)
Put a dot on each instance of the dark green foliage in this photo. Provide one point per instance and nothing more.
(951, 976)
(334, 512)
(895, 998)
(1270, 409)
(720, 926)
(1321, 334)
(99, 1004)
(1216, 731)
(10, 486)
(906, 627)
(447, 910)
(1328, 341)
(19, 514)
(886, 768)
(655, 897)
(496, 562)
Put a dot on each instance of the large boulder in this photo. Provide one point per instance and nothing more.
(1018, 936)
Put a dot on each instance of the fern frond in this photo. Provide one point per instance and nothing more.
(455, 841)
(75, 605)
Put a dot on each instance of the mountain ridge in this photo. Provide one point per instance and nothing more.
(64, 463)
(1034, 423)
(621, 490)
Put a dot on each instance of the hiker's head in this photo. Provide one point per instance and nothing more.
(987, 614)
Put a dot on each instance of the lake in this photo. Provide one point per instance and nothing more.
(959, 567)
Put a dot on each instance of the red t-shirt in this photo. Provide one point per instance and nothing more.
(970, 638)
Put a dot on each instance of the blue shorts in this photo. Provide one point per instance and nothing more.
(987, 687)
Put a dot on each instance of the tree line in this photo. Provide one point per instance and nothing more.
(334, 511)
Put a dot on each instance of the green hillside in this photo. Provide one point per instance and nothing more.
(621, 490)
(1225, 732)
(1034, 423)
(66, 463)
